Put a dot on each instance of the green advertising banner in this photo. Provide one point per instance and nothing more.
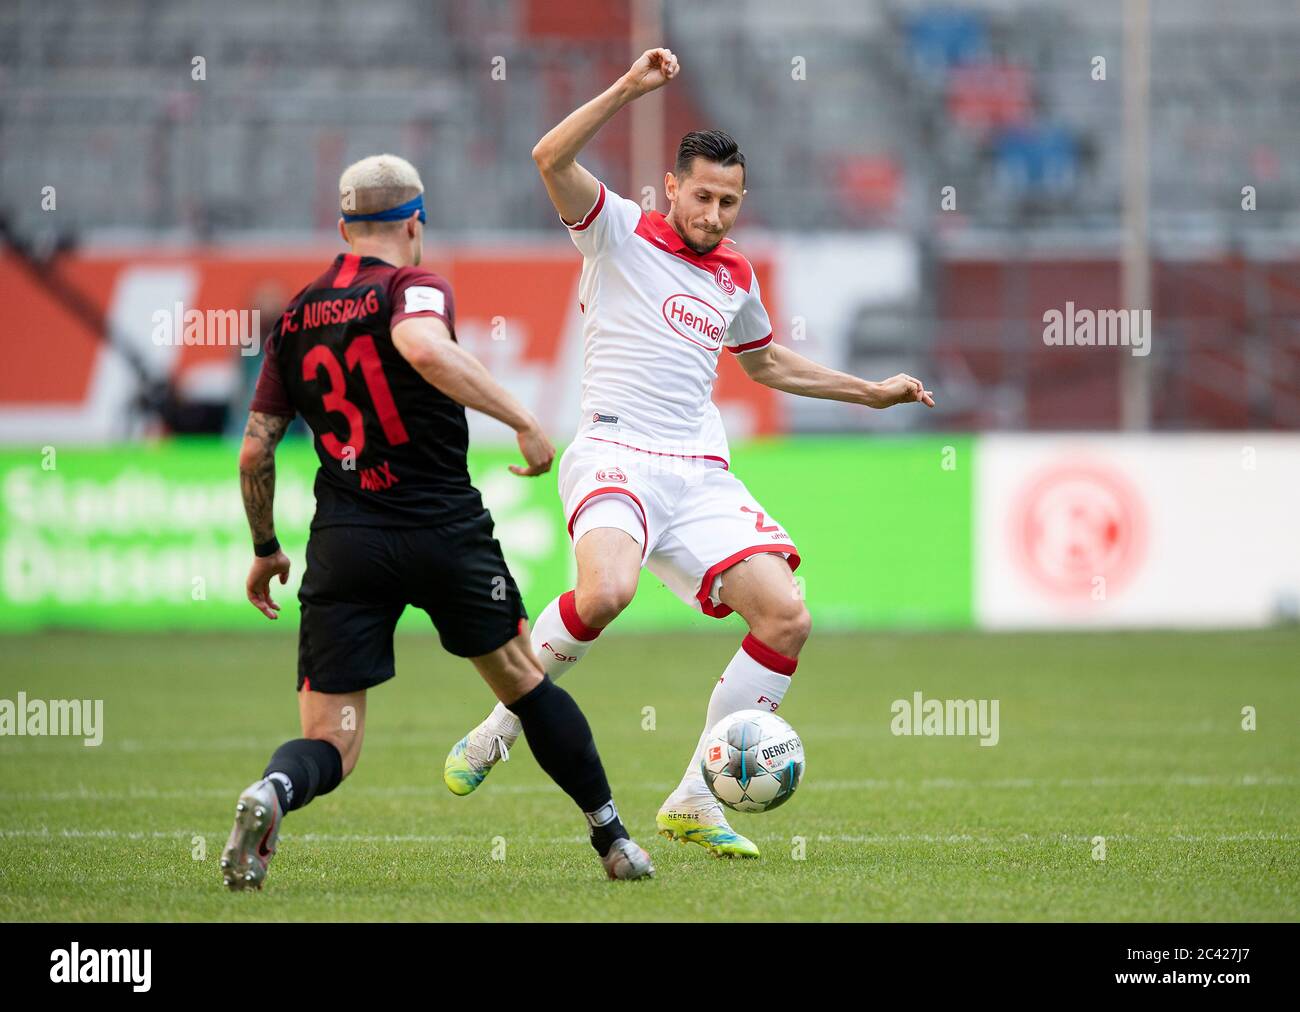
(152, 535)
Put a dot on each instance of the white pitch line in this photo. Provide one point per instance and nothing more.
(226, 743)
(816, 786)
(179, 794)
(956, 783)
(1261, 837)
(45, 833)
(246, 742)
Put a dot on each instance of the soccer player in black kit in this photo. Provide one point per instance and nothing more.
(367, 354)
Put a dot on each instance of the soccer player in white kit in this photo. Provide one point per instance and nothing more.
(647, 481)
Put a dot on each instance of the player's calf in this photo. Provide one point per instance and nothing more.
(559, 640)
(609, 562)
(338, 718)
(561, 742)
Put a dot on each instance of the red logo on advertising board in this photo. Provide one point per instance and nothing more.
(1076, 523)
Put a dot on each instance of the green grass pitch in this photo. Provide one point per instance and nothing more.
(1136, 738)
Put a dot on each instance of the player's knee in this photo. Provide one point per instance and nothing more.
(603, 600)
(784, 626)
(798, 627)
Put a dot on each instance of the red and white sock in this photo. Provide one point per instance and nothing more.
(756, 679)
(559, 639)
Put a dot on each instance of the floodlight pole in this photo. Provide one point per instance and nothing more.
(647, 163)
(1135, 372)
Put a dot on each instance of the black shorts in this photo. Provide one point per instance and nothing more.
(359, 580)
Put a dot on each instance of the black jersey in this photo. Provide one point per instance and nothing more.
(391, 447)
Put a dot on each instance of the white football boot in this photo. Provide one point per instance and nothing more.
(626, 861)
(471, 759)
(698, 818)
(252, 840)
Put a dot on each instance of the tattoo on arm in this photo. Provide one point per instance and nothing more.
(257, 471)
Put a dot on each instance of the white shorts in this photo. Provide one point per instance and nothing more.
(693, 518)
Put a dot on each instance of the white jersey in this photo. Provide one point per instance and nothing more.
(656, 316)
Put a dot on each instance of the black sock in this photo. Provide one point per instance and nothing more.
(561, 742)
(605, 827)
(302, 769)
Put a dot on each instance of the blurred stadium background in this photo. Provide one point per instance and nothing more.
(1106, 155)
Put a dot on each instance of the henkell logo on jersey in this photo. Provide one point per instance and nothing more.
(75, 965)
(694, 319)
(611, 474)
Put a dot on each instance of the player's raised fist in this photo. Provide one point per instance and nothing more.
(653, 69)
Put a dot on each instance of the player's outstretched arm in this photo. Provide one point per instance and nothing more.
(573, 190)
(257, 485)
(425, 342)
(782, 369)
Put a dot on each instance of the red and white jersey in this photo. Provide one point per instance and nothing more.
(656, 316)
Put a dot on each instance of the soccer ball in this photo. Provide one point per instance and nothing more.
(753, 761)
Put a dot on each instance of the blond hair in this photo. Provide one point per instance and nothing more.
(375, 184)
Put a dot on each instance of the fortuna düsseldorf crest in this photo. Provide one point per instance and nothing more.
(723, 277)
(611, 474)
